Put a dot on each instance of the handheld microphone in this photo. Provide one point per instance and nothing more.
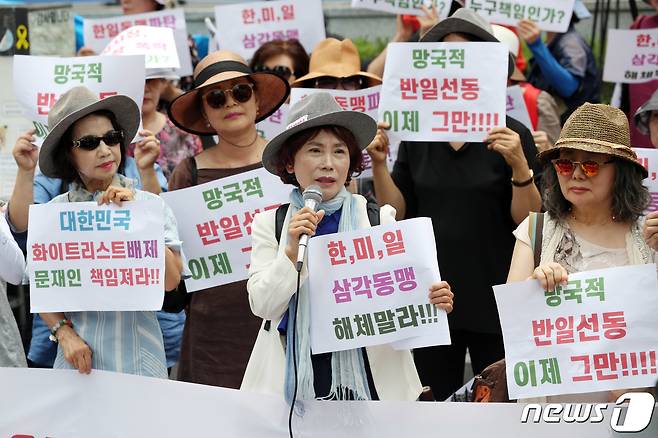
(312, 198)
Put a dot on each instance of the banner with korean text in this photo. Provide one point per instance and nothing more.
(214, 220)
(371, 286)
(98, 32)
(157, 44)
(596, 333)
(365, 101)
(631, 56)
(516, 107)
(40, 80)
(406, 7)
(125, 405)
(649, 159)
(440, 92)
(82, 256)
(244, 27)
(550, 15)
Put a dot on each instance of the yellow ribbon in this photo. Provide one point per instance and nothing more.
(21, 33)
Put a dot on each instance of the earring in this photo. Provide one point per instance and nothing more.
(207, 124)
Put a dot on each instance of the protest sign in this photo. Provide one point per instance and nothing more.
(365, 101)
(82, 256)
(407, 7)
(98, 32)
(244, 27)
(13, 123)
(649, 159)
(131, 406)
(516, 107)
(550, 15)
(214, 220)
(370, 286)
(274, 124)
(40, 80)
(596, 333)
(44, 30)
(440, 92)
(631, 56)
(155, 43)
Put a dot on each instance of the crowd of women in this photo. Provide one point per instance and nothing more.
(576, 165)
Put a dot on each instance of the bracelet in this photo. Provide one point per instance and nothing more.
(53, 329)
(526, 182)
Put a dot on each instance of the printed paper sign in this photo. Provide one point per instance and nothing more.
(550, 15)
(370, 286)
(40, 80)
(649, 159)
(82, 256)
(440, 92)
(155, 43)
(631, 56)
(244, 27)
(214, 220)
(365, 101)
(98, 32)
(407, 7)
(596, 333)
(516, 107)
(274, 124)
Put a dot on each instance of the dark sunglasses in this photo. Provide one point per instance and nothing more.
(590, 168)
(91, 142)
(240, 92)
(332, 83)
(279, 70)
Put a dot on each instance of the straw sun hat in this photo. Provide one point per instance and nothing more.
(595, 128)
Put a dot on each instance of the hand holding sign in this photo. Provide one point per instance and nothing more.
(550, 275)
(529, 31)
(650, 230)
(25, 152)
(508, 144)
(378, 148)
(75, 349)
(117, 195)
(441, 296)
(147, 150)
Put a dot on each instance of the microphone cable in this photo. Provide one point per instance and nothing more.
(294, 355)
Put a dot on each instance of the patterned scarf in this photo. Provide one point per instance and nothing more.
(78, 192)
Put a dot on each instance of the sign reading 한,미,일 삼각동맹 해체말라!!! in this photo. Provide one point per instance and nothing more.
(631, 56)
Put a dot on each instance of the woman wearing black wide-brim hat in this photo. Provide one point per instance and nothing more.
(227, 100)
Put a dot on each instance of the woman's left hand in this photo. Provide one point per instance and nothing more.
(508, 144)
(441, 296)
(147, 150)
(650, 230)
(116, 195)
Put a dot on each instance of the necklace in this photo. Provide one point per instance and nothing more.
(239, 145)
(613, 218)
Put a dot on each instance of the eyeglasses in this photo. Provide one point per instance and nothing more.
(279, 70)
(332, 83)
(217, 98)
(91, 142)
(566, 167)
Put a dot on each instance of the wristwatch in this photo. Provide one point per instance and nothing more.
(524, 183)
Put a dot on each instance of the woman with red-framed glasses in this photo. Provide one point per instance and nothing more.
(595, 203)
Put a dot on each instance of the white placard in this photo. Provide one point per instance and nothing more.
(550, 15)
(440, 92)
(131, 406)
(214, 220)
(98, 32)
(516, 107)
(244, 27)
(82, 256)
(365, 101)
(631, 56)
(596, 333)
(407, 7)
(155, 43)
(274, 124)
(649, 159)
(40, 80)
(370, 287)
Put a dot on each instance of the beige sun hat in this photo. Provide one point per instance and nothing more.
(186, 112)
(595, 128)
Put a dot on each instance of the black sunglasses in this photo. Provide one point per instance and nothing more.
(332, 83)
(279, 70)
(91, 142)
(240, 92)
